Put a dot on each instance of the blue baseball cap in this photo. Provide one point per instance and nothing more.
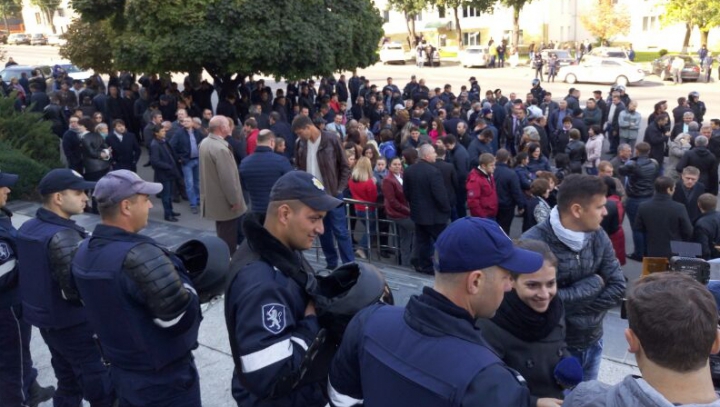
(7, 179)
(122, 184)
(61, 179)
(470, 244)
(303, 187)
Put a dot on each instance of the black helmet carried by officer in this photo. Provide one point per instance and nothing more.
(207, 261)
(535, 82)
(345, 291)
(693, 96)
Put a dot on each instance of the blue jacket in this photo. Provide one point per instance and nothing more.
(524, 176)
(8, 261)
(258, 173)
(282, 129)
(180, 142)
(267, 327)
(428, 354)
(163, 161)
(508, 188)
(541, 164)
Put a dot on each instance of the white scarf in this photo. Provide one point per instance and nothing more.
(574, 240)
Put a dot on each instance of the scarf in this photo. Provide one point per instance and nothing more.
(574, 240)
(523, 322)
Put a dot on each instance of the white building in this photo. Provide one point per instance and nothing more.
(556, 21)
(36, 20)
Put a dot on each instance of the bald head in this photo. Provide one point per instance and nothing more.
(218, 125)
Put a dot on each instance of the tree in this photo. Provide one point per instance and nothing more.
(517, 6)
(88, 46)
(606, 20)
(9, 7)
(482, 6)
(232, 39)
(410, 9)
(705, 14)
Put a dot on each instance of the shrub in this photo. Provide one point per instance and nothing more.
(663, 52)
(28, 133)
(29, 170)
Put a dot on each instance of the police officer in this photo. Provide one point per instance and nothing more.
(46, 246)
(18, 385)
(139, 299)
(271, 353)
(430, 353)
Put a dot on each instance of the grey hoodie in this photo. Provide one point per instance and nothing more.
(632, 391)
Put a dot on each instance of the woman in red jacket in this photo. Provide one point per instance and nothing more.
(482, 197)
(397, 209)
(363, 188)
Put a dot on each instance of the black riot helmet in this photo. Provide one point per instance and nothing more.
(207, 261)
(345, 291)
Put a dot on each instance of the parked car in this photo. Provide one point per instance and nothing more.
(38, 39)
(15, 71)
(392, 52)
(611, 70)
(475, 55)
(56, 40)
(661, 68)
(74, 71)
(564, 58)
(606, 52)
(435, 58)
(18, 38)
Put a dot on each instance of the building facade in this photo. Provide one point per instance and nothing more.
(38, 21)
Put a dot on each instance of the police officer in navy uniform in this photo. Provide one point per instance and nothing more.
(18, 385)
(270, 318)
(139, 299)
(46, 247)
(430, 353)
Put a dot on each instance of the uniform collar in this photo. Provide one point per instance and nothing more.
(106, 232)
(48, 216)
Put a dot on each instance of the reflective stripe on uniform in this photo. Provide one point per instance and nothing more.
(266, 357)
(7, 267)
(167, 324)
(340, 400)
(300, 342)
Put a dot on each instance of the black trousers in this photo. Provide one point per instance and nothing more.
(505, 217)
(425, 236)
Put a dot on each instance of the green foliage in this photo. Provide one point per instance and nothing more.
(703, 13)
(280, 38)
(30, 172)
(606, 20)
(663, 52)
(88, 46)
(29, 134)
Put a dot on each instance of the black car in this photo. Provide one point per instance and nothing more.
(662, 68)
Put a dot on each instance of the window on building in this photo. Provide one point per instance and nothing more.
(61, 12)
(471, 38)
(386, 16)
(38, 19)
(470, 12)
(441, 11)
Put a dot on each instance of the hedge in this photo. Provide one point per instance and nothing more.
(29, 133)
(29, 170)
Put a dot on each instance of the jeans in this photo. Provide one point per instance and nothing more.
(631, 208)
(78, 367)
(369, 220)
(406, 231)
(336, 228)
(166, 196)
(590, 359)
(191, 175)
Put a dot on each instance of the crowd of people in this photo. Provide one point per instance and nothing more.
(452, 174)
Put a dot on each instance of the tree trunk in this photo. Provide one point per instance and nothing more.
(516, 26)
(413, 34)
(410, 38)
(704, 35)
(7, 27)
(686, 41)
(458, 29)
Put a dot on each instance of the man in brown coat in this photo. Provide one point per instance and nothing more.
(321, 154)
(221, 197)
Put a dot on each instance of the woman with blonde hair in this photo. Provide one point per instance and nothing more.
(362, 185)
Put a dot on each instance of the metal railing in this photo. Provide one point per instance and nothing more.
(392, 243)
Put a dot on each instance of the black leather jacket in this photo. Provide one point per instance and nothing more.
(641, 172)
(92, 146)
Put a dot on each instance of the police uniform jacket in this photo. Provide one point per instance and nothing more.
(265, 316)
(138, 298)
(46, 246)
(8, 261)
(427, 354)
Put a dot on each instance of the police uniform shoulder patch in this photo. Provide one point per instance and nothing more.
(5, 252)
(273, 318)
